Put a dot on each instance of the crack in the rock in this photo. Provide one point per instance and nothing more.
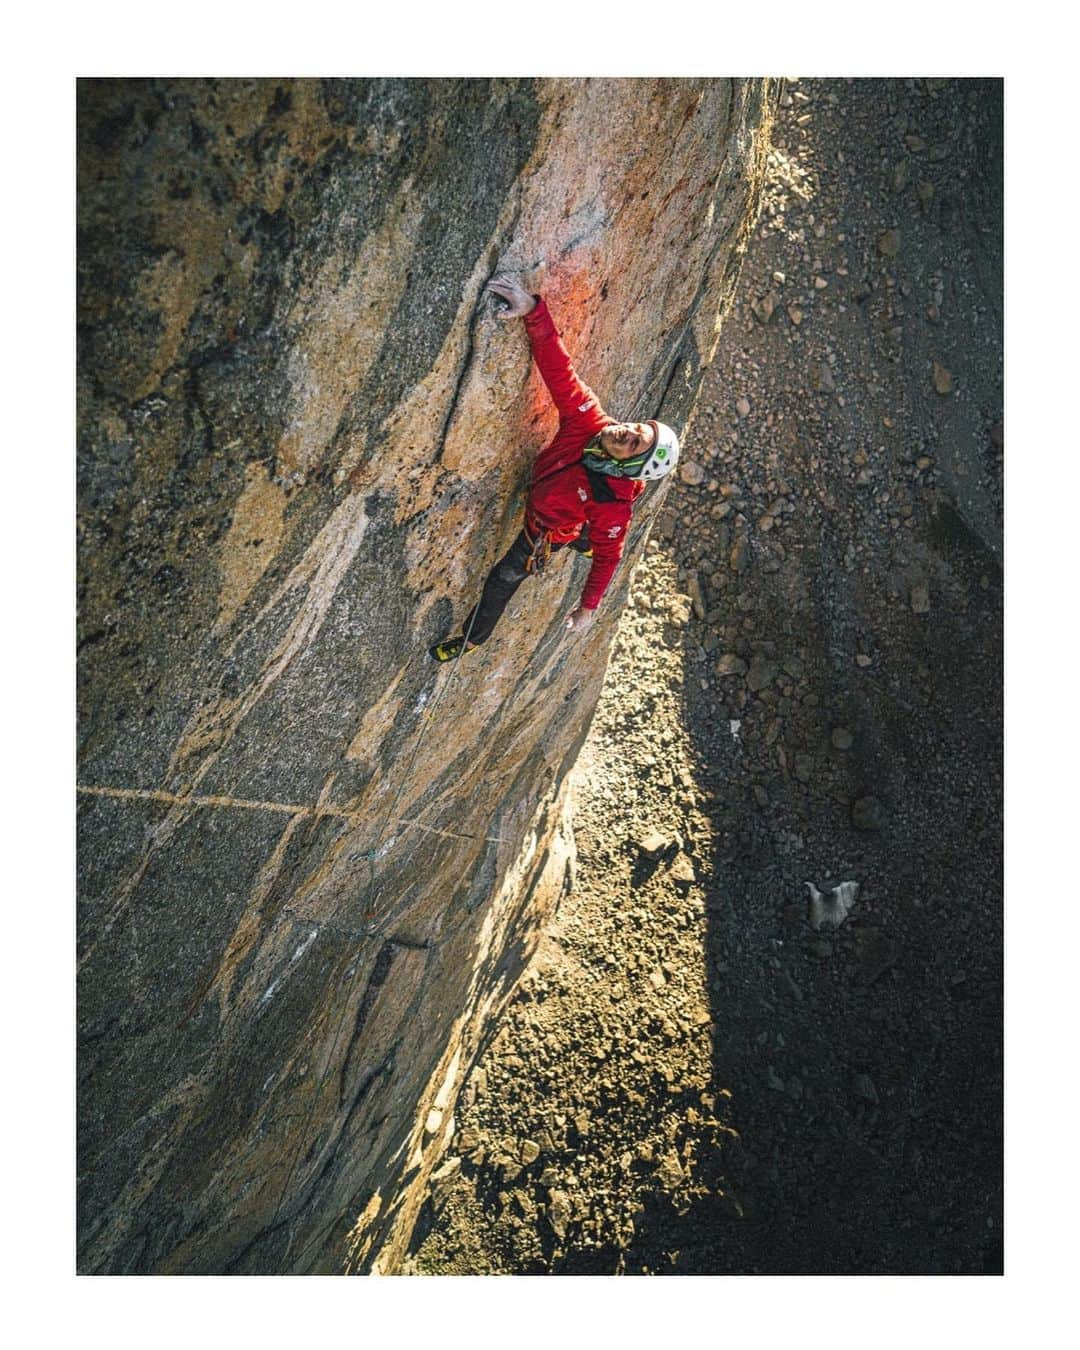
(380, 972)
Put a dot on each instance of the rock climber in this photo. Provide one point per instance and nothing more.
(583, 484)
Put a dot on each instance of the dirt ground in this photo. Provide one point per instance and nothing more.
(708, 1070)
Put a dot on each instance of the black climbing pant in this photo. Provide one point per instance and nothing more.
(502, 581)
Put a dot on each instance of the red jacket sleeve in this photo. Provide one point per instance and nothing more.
(601, 572)
(570, 396)
(607, 550)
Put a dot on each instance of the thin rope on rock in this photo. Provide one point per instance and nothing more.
(282, 808)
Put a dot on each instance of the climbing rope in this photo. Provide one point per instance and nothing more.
(282, 808)
(370, 856)
(429, 717)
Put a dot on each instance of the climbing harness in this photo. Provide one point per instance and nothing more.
(540, 552)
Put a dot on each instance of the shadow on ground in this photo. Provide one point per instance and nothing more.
(859, 736)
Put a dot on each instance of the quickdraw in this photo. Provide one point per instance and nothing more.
(540, 553)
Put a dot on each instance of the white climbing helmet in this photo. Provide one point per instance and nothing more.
(665, 452)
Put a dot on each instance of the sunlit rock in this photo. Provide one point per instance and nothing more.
(312, 863)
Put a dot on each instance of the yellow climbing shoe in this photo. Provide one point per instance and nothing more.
(448, 649)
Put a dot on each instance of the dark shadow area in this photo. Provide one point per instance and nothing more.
(844, 695)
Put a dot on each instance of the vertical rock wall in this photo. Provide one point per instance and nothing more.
(310, 861)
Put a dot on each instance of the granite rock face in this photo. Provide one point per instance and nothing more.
(311, 862)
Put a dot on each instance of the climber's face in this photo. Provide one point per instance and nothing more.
(624, 440)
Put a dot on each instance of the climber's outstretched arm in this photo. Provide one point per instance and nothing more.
(572, 397)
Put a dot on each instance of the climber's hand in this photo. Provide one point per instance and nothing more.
(518, 300)
(581, 620)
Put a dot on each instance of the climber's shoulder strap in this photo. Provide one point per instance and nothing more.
(600, 485)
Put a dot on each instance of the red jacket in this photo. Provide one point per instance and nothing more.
(560, 500)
